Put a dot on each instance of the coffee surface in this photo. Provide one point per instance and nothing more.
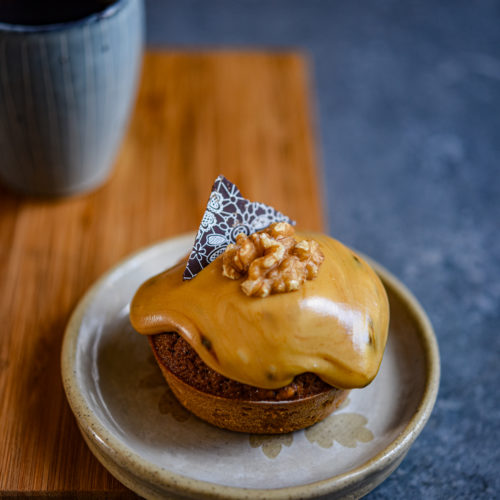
(37, 12)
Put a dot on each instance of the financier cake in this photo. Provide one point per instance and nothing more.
(271, 334)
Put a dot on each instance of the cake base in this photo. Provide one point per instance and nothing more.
(266, 416)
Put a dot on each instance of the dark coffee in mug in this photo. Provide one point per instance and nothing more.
(40, 12)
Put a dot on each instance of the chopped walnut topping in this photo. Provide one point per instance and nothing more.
(272, 260)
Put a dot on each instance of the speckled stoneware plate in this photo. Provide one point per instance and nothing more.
(135, 427)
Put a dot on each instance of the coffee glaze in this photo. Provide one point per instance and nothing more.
(335, 325)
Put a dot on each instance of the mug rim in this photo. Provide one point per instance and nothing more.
(106, 13)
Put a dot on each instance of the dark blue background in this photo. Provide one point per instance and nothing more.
(408, 101)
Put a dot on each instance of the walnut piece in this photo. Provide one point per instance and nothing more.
(271, 260)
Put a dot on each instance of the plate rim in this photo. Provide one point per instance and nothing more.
(125, 459)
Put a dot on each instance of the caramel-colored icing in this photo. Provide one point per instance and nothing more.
(335, 325)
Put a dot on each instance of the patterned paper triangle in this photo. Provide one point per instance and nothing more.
(227, 215)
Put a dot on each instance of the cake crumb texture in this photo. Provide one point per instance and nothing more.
(182, 360)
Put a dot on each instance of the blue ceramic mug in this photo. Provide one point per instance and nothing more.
(68, 78)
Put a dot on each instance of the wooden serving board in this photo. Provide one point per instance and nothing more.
(243, 114)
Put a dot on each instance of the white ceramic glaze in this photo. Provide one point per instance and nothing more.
(139, 432)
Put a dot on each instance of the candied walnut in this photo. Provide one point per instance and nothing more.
(272, 260)
(238, 257)
(310, 255)
(283, 232)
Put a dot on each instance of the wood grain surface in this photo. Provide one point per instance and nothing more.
(243, 114)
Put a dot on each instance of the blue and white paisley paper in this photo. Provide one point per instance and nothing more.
(227, 215)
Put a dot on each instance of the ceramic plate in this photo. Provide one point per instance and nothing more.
(135, 427)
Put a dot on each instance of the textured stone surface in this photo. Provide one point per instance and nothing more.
(408, 102)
